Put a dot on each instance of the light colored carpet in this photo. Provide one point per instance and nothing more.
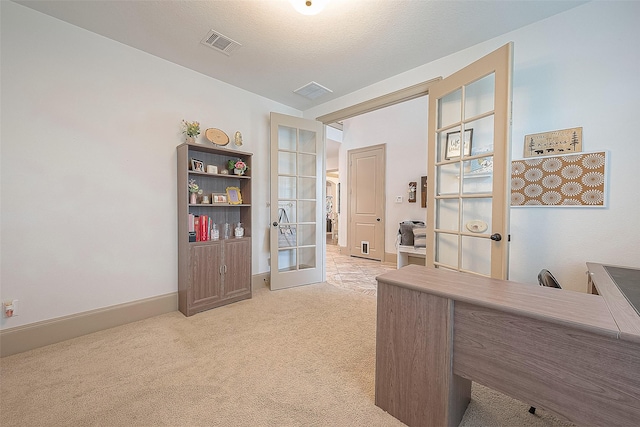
(297, 357)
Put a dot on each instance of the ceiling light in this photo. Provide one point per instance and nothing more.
(309, 7)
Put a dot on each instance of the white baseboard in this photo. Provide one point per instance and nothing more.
(260, 280)
(34, 335)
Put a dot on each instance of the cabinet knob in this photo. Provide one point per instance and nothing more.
(275, 224)
(496, 237)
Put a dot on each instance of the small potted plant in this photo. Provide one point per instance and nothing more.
(237, 166)
(195, 191)
(191, 130)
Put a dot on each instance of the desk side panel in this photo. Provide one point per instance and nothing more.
(588, 378)
(414, 381)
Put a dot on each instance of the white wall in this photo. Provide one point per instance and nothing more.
(578, 68)
(89, 131)
(403, 129)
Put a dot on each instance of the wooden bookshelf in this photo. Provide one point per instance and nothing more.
(212, 273)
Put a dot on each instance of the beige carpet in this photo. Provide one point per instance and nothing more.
(298, 357)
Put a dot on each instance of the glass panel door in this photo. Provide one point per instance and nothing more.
(297, 166)
(468, 157)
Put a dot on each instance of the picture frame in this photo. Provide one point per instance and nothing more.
(553, 143)
(197, 165)
(233, 195)
(219, 198)
(452, 147)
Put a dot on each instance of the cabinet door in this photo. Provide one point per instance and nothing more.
(237, 260)
(205, 274)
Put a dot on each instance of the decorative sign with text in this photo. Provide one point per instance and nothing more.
(564, 141)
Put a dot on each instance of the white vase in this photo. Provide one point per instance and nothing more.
(190, 139)
(194, 199)
(238, 172)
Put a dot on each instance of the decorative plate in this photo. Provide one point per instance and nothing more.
(216, 136)
(476, 226)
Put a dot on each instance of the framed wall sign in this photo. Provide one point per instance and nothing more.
(452, 149)
(565, 141)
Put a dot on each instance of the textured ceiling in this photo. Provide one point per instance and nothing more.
(348, 46)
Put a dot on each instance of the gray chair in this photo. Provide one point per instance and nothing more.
(545, 278)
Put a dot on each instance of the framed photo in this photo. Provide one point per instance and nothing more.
(219, 198)
(452, 149)
(234, 196)
(197, 165)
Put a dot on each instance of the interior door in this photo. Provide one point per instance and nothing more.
(469, 140)
(366, 207)
(297, 201)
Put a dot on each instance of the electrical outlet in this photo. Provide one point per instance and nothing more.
(398, 199)
(10, 308)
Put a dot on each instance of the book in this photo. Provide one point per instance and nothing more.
(203, 228)
(191, 228)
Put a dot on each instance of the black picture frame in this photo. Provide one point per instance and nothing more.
(452, 147)
(197, 165)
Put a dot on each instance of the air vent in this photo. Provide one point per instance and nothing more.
(312, 90)
(220, 42)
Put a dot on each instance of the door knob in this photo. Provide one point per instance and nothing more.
(496, 237)
(275, 224)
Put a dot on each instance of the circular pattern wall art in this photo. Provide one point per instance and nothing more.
(571, 180)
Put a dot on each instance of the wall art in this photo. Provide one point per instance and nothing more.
(568, 180)
(552, 143)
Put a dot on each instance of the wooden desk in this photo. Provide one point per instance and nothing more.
(559, 350)
(625, 316)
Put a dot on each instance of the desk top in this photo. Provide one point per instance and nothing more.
(628, 281)
(580, 310)
(625, 315)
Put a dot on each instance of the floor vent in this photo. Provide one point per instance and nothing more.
(312, 90)
(221, 43)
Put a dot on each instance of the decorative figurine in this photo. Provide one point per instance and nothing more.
(237, 139)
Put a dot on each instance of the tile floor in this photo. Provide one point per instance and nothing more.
(353, 273)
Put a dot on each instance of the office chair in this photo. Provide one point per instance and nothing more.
(545, 278)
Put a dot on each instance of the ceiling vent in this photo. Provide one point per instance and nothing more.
(312, 90)
(220, 42)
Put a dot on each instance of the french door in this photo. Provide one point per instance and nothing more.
(297, 207)
(468, 167)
